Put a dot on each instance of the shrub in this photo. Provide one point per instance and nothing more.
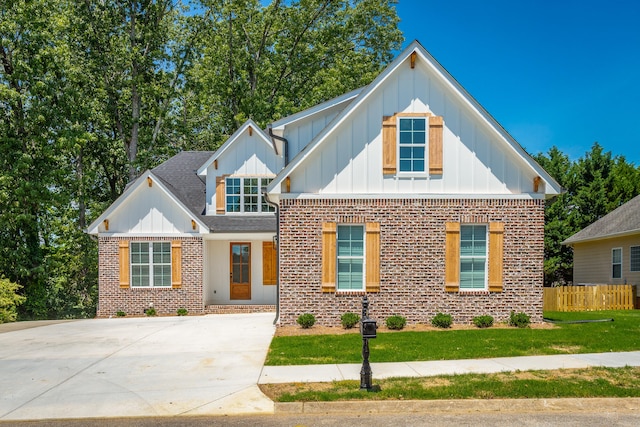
(306, 320)
(442, 320)
(396, 322)
(120, 313)
(182, 312)
(150, 311)
(9, 300)
(349, 320)
(483, 321)
(519, 320)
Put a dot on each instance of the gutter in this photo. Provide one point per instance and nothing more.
(277, 208)
(285, 145)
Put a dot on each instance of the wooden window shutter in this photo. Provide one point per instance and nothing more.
(496, 243)
(435, 145)
(452, 257)
(268, 263)
(220, 195)
(389, 145)
(329, 257)
(372, 230)
(176, 264)
(123, 261)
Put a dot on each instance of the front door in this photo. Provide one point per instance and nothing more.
(240, 271)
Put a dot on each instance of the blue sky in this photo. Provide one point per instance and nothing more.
(563, 72)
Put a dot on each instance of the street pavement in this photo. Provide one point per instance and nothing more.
(211, 365)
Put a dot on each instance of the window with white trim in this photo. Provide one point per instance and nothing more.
(634, 258)
(473, 256)
(151, 264)
(616, 263)
(245, 195)
(412, 142)
(350, 257)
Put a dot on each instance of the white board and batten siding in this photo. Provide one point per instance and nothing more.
(249, 155)
(149, 210)
(476, 158)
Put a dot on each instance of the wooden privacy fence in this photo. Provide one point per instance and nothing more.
(590, 298)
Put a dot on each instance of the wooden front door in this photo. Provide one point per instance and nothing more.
(240, 271)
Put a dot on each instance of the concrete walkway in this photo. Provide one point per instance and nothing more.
(194, 365)
(337, 372)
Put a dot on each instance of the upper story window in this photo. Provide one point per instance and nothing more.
(245, 195)
(151, 264)
(411, 144)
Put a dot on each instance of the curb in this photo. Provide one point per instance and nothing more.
(463, 406)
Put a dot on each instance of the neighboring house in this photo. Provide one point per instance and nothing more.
(406, 190)
(608, 251)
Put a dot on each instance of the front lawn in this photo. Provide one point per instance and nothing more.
(621, 335)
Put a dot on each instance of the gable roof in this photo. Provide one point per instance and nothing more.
(551, 186)
(179, 179)
(622, 221)
(202, 170)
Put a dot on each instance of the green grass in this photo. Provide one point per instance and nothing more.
(591, 382)
(621, 335)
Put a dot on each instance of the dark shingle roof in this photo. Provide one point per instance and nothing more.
(179, 175)
(623, 220)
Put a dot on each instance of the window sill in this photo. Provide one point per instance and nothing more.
(474, 292)
(351, 293)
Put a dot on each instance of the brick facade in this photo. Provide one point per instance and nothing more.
(412, 258)
(133, 301)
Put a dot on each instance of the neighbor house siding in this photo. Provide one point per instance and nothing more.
(133, 301)
(412, 258)
(592, 261)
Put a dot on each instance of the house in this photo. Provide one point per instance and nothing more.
(406, 190)
(608, 251)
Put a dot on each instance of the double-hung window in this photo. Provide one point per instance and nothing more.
(616, 263)
(412, 133)
(245, 195)
(151, 264)
(473, 256)
(634, 261)
(350, 257)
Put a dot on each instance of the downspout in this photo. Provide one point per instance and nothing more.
(277, 208)
(285, 144)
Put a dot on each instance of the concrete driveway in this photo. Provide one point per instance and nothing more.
(200, 365)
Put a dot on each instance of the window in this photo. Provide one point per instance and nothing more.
(350, 257)
(151, 264)
(634, 261)
(473, 256)
(616, 263)
(412, 144)
(245, 195)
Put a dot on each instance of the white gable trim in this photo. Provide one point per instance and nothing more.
(202, 171)
(142, 180)
(551, 186)
(347, 97)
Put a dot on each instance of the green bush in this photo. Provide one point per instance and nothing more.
(9, 300)
(120, 313)
(483, 321)
(182, 312)
(396, 322)
(150, 311)
(349, 320)
(519, 320)
(442, 320)
(306, 320)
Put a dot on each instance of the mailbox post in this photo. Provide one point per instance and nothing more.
(367, 330)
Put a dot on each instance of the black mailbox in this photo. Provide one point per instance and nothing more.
(368, 328)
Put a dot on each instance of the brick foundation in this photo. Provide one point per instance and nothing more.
(412, 250)
(133, 301)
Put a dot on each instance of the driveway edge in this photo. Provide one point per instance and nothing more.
(463, 406)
